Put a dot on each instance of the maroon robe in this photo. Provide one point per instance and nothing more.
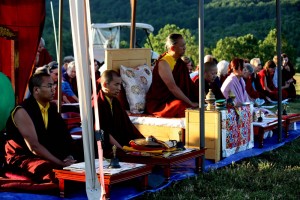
(115, 122)
(273, 94)
(161, 102)
(287, 75)
(56, 139)
(213, 86)
(44, 58)
(254, 94)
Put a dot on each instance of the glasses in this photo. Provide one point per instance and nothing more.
(50, 85)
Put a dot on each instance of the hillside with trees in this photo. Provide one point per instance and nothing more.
(224, 20)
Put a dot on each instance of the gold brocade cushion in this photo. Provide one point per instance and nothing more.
(136, 82)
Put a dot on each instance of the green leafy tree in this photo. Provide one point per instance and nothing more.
(268, 47)
(158, 41)
(230, 47)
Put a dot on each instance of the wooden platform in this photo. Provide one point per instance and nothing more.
(167, 162)
(261, 127)
(63, 175)
(212, 132)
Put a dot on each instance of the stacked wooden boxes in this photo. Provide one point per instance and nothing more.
(212, 126)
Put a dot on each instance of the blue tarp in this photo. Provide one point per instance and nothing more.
(129, 189)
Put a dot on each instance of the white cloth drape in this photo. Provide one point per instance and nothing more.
(80, 18)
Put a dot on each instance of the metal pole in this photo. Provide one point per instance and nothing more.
(201, 79)
(279, 72)
(54, 29)
(132, 30)
(61, 2)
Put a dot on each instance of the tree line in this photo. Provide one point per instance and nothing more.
(226, 20)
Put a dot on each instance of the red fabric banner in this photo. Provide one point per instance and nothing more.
(25, 18)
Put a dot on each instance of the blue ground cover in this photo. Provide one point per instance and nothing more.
(128, 189)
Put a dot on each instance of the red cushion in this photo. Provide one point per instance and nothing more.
(20, 181)
(28, 186)
(17, 176)
(72, 119)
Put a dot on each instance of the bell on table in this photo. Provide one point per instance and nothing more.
(284, 111)
(230, 100)
(210, 100)
(260, 119)
(180, 144)
(114, 162)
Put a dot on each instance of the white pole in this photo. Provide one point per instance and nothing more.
(54, 30)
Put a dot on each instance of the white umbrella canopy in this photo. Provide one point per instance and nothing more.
(81, 29)
(81, 26)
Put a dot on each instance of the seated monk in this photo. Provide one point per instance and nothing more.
(114, 121)
(210, 75)
(37, 138)
(172, 90)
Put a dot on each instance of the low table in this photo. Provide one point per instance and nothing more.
(289, 119)
(168, 161)
(259, 128)
(142, 172)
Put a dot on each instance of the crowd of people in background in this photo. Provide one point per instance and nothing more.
(31, 147)
(44, 62)
(248, 80)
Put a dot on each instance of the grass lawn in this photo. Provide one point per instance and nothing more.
(272, 175)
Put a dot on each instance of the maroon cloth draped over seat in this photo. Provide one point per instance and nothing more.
(26, 18)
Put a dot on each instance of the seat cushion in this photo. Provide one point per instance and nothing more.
(136, 82)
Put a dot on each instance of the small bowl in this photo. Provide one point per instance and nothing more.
(220, 102)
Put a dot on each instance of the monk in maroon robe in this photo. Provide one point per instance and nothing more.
(210, 76)
(114, 121)
(172, 90)
(37, 138)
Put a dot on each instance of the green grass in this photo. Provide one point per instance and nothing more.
(272, 175)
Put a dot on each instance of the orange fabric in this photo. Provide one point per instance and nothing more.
(26, 18)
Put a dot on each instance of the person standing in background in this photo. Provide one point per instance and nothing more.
(42, 55)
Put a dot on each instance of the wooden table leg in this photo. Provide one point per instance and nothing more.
(260, 137)
(145, 182)
(107, 190)
(286, 127)
(167, 171)
(61, 186)
(198, 162)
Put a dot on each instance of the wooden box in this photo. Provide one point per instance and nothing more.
(212, 127)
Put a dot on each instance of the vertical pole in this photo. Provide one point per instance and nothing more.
(61, 2)
(279, 72)
(201, 79)
(54, 29)
(132, 30)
